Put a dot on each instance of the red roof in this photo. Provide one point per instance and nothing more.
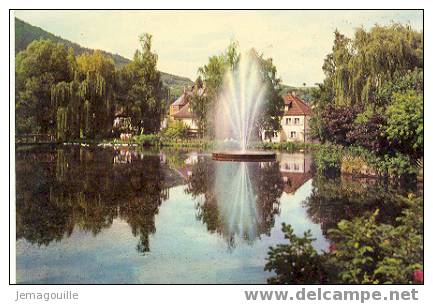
(296, 106)
(184, 112)
(295, 180)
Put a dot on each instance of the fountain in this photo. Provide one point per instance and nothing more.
(238, 109)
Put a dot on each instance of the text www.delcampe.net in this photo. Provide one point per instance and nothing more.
(304, 294)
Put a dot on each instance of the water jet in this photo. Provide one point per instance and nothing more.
(239, 109)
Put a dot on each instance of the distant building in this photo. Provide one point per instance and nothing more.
(180, 110)
(294, 123)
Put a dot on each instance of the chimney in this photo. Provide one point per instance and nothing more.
(293, 93)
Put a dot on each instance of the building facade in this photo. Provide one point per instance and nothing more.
(180, 110)
(294, 123)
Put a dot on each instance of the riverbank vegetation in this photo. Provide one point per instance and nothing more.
(78, 97)
(368, 114)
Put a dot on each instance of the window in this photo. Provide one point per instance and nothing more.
(287, 121)
(296, 121)
(293, 134)
(296, 167)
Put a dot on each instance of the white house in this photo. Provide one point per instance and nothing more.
(295, 121)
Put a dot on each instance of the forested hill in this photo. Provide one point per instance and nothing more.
(25, 33)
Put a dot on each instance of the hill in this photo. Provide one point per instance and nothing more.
(25, 33)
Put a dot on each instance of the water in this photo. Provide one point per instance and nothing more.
(238, 105)
(93, 215)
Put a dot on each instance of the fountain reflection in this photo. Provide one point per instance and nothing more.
(238, 200)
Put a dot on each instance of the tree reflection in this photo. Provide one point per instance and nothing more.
(235, 198)
(58, 190)
(335, 199)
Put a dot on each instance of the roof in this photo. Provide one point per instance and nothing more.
(184, 112)
(182, 100)
(295, 180)
(296, 106)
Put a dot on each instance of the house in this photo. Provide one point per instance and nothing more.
(294, 123)
(180, 110)
(295, 170)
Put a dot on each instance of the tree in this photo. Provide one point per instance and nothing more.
(141, 90)
(405, 123)
(213, 76)
(362, 251)
(96, 74)
(274, 106)
(40, 66)
(362, 75)
(200, 102)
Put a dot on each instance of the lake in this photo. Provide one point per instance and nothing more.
(127, 215)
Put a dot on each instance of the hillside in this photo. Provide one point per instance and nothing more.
(25, 33)
(305, 93)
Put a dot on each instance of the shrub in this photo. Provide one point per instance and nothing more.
(296, 262)
(146, 139)
(362, 251)
(175, 130)
(327, 159)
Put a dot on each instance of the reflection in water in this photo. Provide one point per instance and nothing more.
(85, 189)
(334, 199)
(238, 198)
(87, 215)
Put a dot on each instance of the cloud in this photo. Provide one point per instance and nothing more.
(298, 41)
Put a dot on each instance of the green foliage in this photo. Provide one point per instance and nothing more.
(147, 139)
(140, 89)
(296, 262)
(405, 122)
(175, 130)
(213, 76)
(363, 251)
(372, 93)
(327, 159)
(200, 104)
(368, 252)
(396, 166)
(38, 68)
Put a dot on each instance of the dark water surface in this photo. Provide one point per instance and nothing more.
(105, 215)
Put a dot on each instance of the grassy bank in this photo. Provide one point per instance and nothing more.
(327, 158)
(336, 159)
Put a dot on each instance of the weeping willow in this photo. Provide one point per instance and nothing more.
(85, 105)
(62, 123)
(359, 68)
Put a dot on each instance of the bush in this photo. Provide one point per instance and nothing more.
(175, 130)
(296, 262)
(327, 159)
(362, 251)
(146, 139)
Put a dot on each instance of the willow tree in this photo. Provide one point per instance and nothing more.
(361, 76)
(358, 68)
(96, 75)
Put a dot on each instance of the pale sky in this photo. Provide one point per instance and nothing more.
(298, 41)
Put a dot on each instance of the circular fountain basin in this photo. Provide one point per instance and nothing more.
(244, 156)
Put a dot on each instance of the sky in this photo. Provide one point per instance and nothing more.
(298, 41)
